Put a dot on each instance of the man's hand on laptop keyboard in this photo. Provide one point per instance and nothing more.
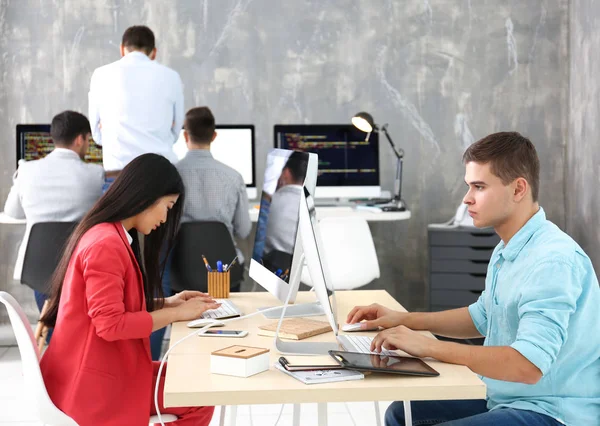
(179, 298)
(405, 339)
(375, 316)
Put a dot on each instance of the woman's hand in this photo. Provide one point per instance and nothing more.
(375, 316)
(193, 308)
(180, 298)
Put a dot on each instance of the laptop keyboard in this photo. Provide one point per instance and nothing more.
(228, 309)
(360, 344)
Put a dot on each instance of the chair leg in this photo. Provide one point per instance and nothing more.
(377, 414)
(407, 414)
(41, 331)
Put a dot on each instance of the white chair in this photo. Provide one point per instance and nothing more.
(35, 389)
(349, 253)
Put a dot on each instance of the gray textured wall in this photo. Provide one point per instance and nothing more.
(442, 74)
(583, 179)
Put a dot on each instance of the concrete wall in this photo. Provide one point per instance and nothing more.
(583, 157)
(442, 74)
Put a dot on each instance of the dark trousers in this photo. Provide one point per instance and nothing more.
(471, 412)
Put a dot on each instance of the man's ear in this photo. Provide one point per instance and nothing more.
(152, 54)
(186, 136)
(122, 50)
(520, 188)
(214, 136)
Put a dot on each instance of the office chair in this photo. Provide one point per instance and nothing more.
(349, 253)
(44, 250)
(35, 389)
(208, 238)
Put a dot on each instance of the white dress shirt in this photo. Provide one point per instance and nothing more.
(135, 107)
(59, 187)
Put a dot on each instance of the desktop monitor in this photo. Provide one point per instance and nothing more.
(287, 234)
(233, 146)
(34, 142)
(276, 263)
(348, 164)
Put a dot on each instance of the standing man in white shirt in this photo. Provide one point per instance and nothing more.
(135, 104)
(58, 187)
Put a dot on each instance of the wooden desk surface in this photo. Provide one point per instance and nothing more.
(190, 383)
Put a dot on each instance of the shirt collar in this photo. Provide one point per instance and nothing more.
(129, 237)
(523, 235)
(136, 56)
(204, 153)
(65, 151)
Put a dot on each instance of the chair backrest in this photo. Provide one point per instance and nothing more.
(209, 238)
(349, 252)
(44, 250)
(30, 358)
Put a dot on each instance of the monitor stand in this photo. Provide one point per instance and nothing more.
(294, 311)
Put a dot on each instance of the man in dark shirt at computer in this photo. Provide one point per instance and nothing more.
(213, 190)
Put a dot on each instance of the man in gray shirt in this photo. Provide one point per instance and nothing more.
(213, 191)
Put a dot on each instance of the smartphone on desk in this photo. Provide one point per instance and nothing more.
(223, 333)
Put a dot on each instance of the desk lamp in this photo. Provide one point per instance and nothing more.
(364, 122)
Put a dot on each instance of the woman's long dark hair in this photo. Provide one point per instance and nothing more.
(141, 183)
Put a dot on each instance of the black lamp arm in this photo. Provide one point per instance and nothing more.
(398, 151)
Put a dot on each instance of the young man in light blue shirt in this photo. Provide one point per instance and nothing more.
(539, 313)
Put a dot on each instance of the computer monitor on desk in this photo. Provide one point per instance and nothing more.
(233, 146)
(34, 142)
(286, 234)
(348, 164)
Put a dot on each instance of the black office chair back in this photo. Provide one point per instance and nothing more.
(211, 239)
(44, 250)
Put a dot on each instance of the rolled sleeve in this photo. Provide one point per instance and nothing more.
(104, 269)
(479, 314)
(241, 221)
(13, 206)
(547, 302)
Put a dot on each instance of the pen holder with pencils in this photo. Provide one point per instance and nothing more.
(219, 284)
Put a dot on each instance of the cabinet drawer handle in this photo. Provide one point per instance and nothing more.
(476, 291)
(477, 274)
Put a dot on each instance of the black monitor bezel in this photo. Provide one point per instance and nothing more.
(25, 128)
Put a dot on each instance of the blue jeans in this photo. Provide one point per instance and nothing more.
(107, 183)
(40, 298)
(471, 412)
(156, 338)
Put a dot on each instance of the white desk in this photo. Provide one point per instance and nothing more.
(369, 215)
(189, 381)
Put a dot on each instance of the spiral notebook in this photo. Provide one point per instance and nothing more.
(311, 377)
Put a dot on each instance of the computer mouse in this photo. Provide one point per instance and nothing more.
(351, 327)
(201, 322)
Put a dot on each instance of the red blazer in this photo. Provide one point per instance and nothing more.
(98, 367)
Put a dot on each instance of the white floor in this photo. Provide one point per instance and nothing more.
(14, 409)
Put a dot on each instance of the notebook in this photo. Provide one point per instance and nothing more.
(310, 377)
(295, 328)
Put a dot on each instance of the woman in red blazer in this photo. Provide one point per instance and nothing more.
(98, 368)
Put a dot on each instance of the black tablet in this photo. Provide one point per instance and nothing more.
(383, 363)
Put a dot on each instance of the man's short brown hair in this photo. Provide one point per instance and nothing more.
(200, 125)
(139, 37)
(510, 155)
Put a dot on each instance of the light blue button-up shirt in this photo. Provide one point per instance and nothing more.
(542, 298)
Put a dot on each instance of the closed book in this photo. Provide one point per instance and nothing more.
(310, 377)
(295, 328)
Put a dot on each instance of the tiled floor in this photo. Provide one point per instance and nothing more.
(14, 409)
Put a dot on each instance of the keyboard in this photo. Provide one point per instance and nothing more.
(228, 309)
(360, 344)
